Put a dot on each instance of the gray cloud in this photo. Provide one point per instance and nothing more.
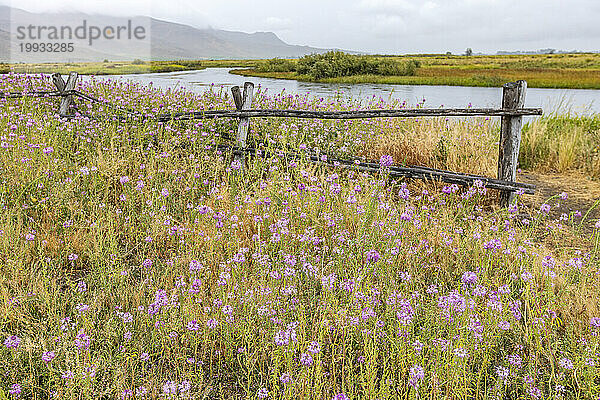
(484, 24)
(385, 26)
(278, 24)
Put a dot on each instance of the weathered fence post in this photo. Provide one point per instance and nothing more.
(246, 103)
(67, 101)
(513, 97)
(237, 97)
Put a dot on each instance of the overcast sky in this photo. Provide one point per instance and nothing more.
(382, 26)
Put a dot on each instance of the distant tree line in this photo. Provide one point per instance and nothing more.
(337, 63)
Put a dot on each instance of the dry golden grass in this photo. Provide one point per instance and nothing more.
(468, 145)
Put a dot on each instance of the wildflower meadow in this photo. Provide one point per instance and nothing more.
(137, 261)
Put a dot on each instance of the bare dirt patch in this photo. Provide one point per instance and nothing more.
(583, 194)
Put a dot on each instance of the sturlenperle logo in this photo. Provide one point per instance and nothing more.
(83, 31)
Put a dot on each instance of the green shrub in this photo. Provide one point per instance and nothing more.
(336, 63)
(277, 65)
(487, 80)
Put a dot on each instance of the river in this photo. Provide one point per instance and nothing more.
(580, 101)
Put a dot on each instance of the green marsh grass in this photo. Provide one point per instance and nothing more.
(562, 142)
(574, 71)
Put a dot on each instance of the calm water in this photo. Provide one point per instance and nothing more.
(578, 100)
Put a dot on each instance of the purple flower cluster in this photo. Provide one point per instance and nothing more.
(416, 375)
(386, 161)
(12, 342)
(82, 341)
(285, 337)
(469, 278)
(452, 305)
(48, 356)
(372, 256)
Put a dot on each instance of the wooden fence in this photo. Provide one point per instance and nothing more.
(511, 114)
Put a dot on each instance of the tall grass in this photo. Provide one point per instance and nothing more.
(138, 262)
(561, 142)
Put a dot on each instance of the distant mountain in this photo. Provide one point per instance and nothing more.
(165, 41)
(172, 41)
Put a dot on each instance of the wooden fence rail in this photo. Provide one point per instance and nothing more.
(403, 113)
(413, 172)
(511, 113)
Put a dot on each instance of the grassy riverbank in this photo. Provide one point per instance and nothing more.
(123, 67)
(137, 261)
(574, 71)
